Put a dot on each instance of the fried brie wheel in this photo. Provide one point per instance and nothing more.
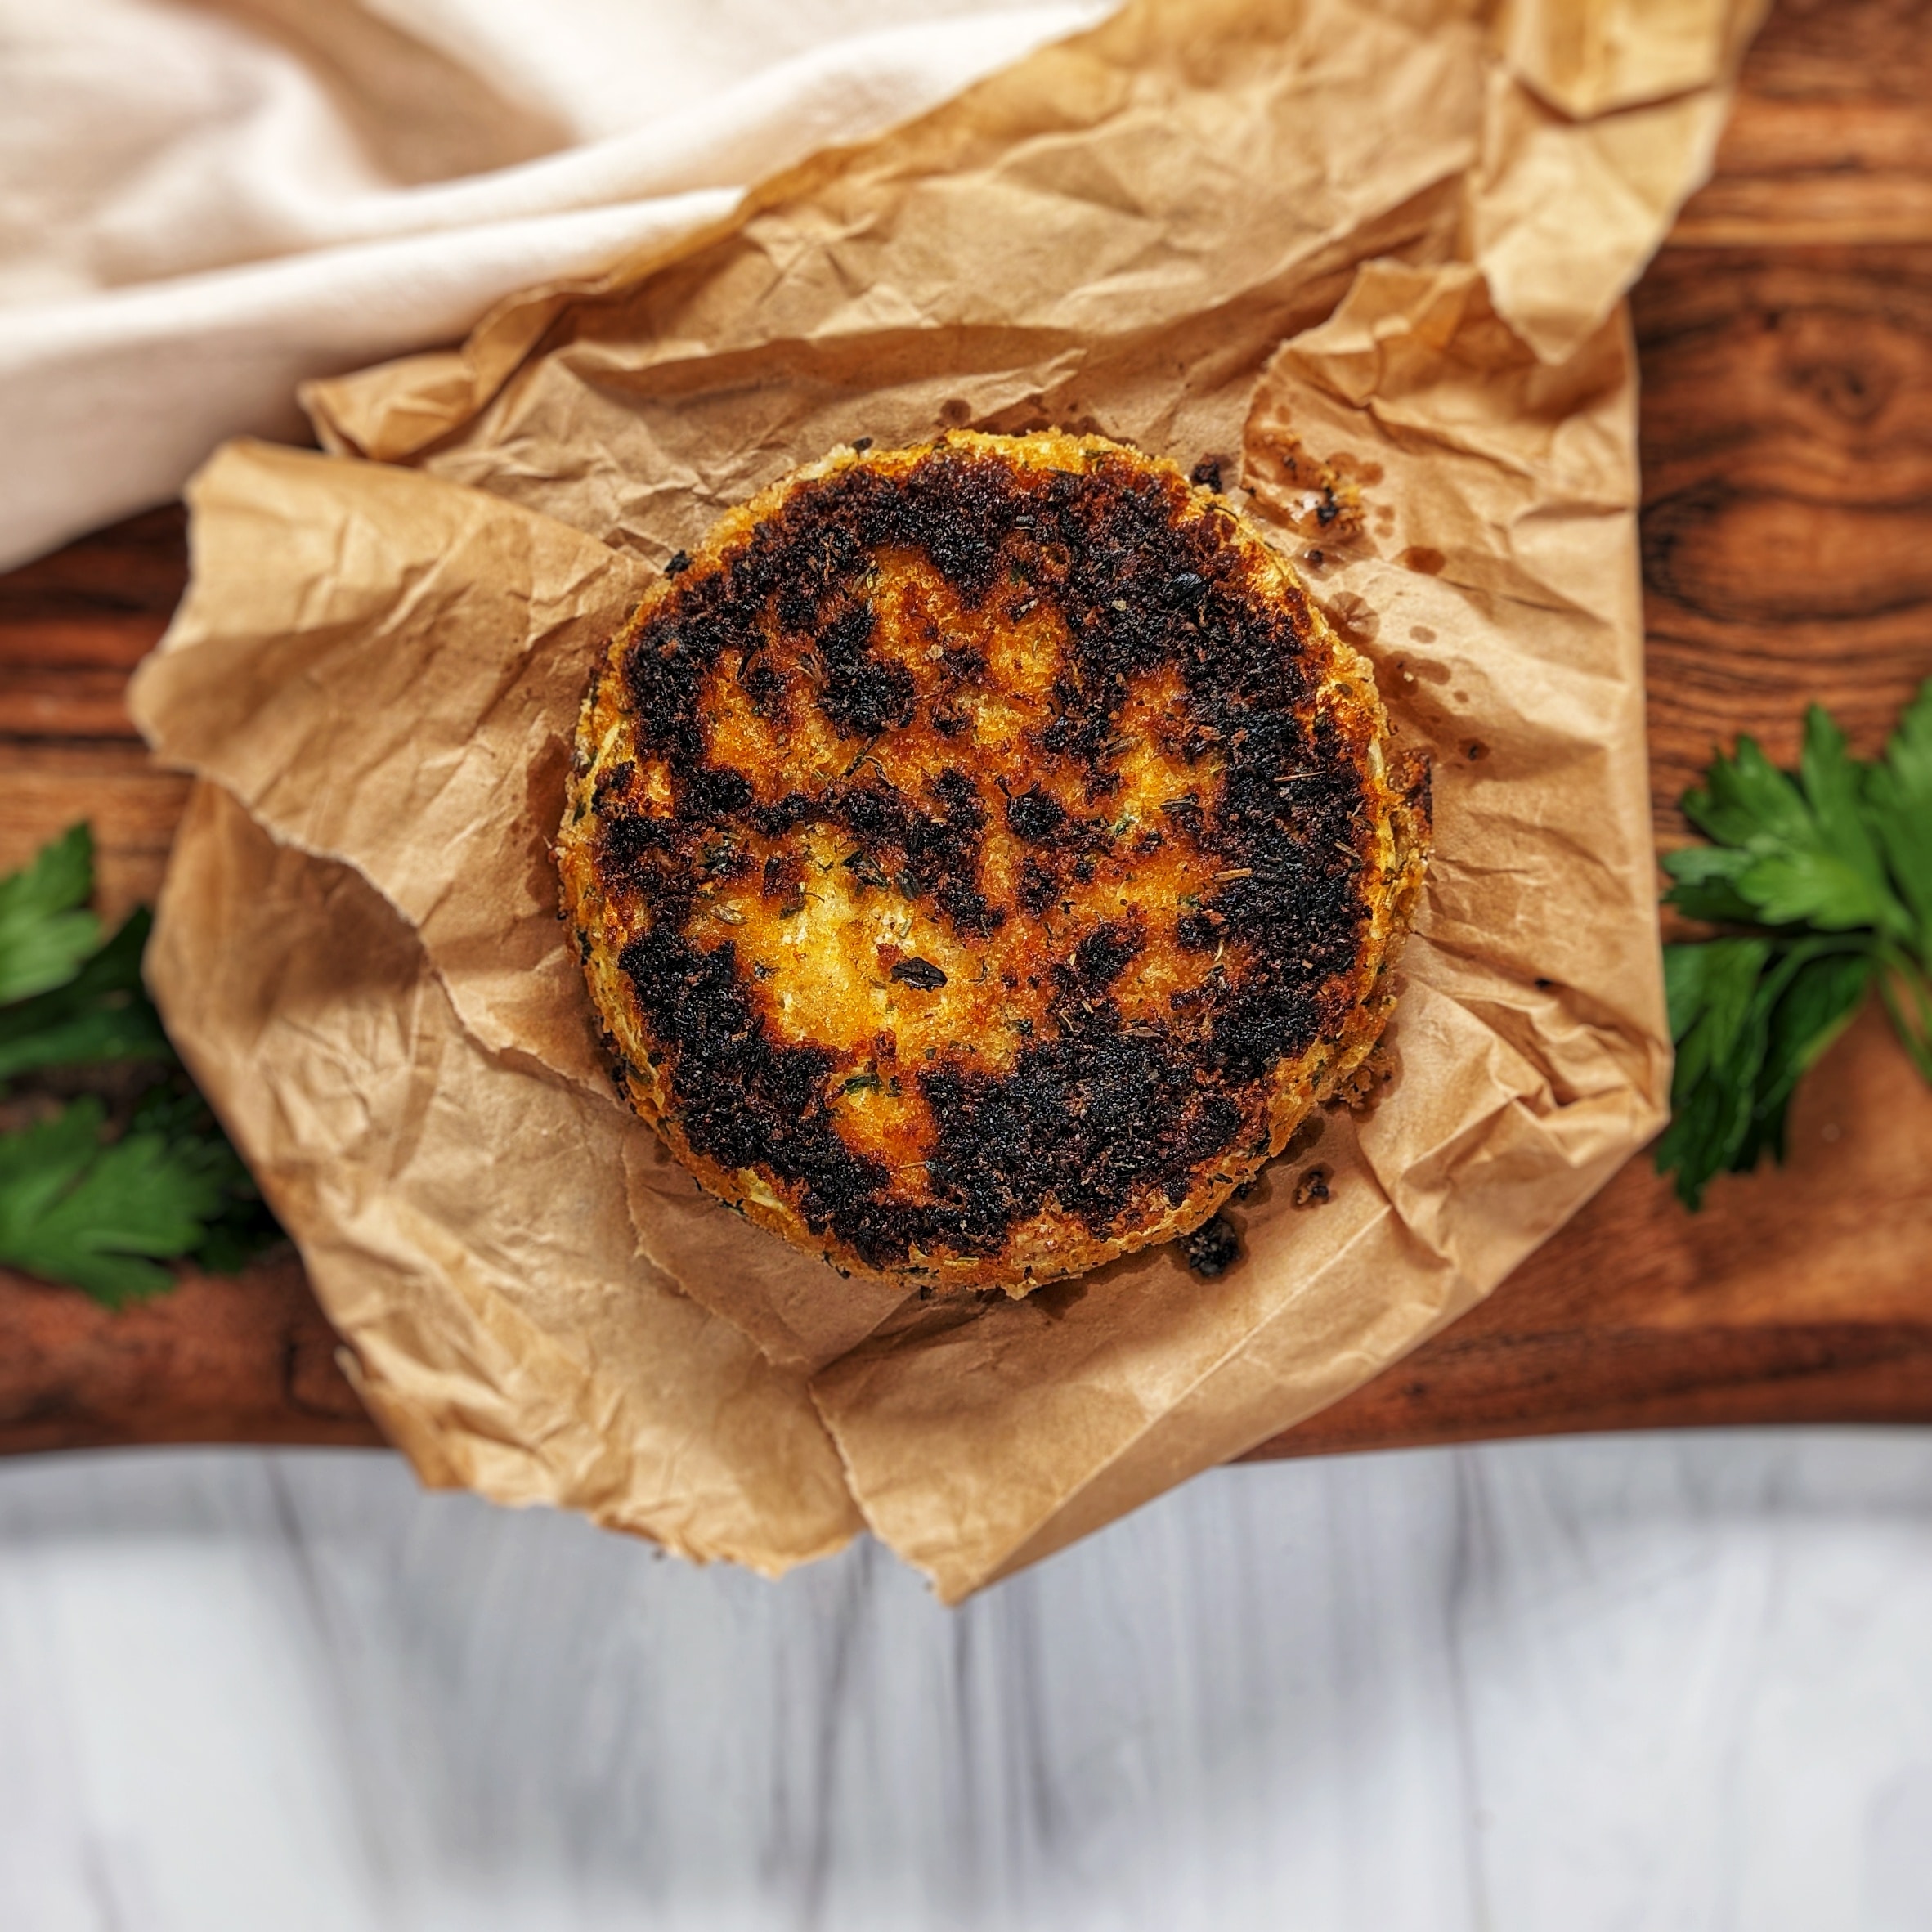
(984, 855)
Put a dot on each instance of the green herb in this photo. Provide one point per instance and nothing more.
(1823, 878)
(102, 1013)
(93, 1194)
(46, 930)
(100, 1216)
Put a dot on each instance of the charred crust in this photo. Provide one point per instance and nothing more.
(1111, 1124)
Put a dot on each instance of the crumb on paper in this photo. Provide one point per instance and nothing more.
(1212, 1249)
(1312, 1189)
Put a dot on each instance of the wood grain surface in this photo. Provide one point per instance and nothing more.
(1786, 335)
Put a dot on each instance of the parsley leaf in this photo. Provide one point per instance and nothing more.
(1800, 853)
(1719, 1025)
(96, 1201)
(102, 1218)
(102, 1013)
(1899, 800)
(1822, 993)
(45, 929)
(1825, 877)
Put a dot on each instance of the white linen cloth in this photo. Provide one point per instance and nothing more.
(201, 204)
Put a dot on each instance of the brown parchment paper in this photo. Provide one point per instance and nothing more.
(1371, 258)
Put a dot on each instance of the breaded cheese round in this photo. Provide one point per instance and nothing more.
(984, 855)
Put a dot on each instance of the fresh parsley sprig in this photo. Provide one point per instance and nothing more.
(100, 1014)
(1823, 881)
(99, 1215)
(46, 929)
(97, 1197)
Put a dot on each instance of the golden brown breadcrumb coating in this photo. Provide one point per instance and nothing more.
(984, 855)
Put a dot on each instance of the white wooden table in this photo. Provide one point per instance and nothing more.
(1645, 1682)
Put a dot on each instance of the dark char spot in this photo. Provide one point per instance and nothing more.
(863, 695)
(1035, 816)
(1100, 958)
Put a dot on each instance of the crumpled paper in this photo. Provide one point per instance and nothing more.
(1369, 258)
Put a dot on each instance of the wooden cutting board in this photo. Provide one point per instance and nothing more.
(1786, 332)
